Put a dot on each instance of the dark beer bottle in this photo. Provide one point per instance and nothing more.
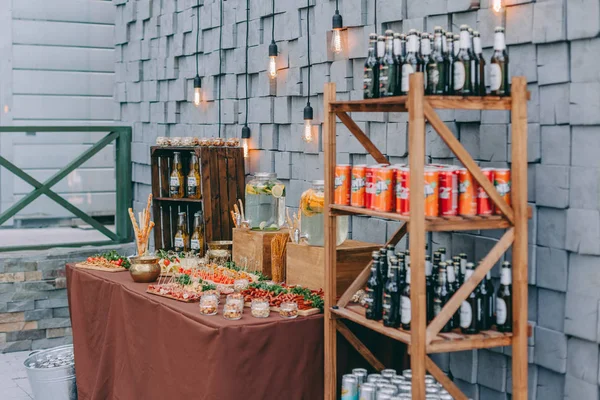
(474, 65)
(437, 259)
(429, 288)
(374, 291)
(469, 309)
(399, 48)
(383, 265)
(452, 288)
(436, 72)
(486, 303)
(463, 267)
(480, 88)
(504, 300)
(391, 297)
(371, 71)
(388, 67)
(401, 269)
(425, 54)
(457, 279)
(405, 307)
(442, 251)
(499, 78)
(456, 48)
(410, 64)
(491, 290)
(441, 295)
(449, 63)
(462, 65)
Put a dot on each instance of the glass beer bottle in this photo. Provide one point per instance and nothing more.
(387, 67)
(504, 300)
(197, 240)
(499, 84)
(371, 71)
(192, 188)
(462, 65)
(176, 178)
(182, 238)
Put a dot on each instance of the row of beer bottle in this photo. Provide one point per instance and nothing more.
(452, 65)
(389, 292)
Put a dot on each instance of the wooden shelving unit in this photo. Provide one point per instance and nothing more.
(424, 339)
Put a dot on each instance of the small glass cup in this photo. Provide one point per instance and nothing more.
(236, 298)
(209, 304)
(260, 308)
(232, 311)
(188, 141)
(240, 284)
(163, 141)
(288, 309)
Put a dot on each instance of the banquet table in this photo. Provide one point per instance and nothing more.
(133, 345)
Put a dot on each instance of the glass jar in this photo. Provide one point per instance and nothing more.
(265, 202)
(312, 204)
(240, 284)
(260, 308)
(232, 311)
(209, 304)
(236, 298)
(288, 309)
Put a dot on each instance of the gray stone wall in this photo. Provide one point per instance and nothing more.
(553, 43)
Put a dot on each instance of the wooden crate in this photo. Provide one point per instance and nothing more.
(306, 264)
(222, 183)
(254, 248)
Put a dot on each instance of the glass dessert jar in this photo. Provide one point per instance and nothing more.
(260, 308)
(236, 298)
(312, 204)
(232, 311)
(240, 284)
(288, 309)
(209, 304)
(265, 202)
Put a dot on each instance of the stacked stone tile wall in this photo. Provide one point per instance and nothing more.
(34, 310)
(553, 43)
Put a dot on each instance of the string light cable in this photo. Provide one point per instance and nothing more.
(197, 79)
(308, 110)
(273, 51)
(245, 128)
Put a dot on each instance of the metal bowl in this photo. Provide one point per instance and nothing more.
(144, 269)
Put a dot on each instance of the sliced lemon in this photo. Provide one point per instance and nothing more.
(262, 225)
(278, 190)
(250, 189)
(273, 227)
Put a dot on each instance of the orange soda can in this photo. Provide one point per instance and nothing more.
(502, 184)
(342, 184)
(402, 190)
(485, 206)
(431, 191)
(358, 191)
(448, 191)
(467, 193)
(384, 189)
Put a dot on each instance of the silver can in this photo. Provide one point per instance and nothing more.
(446, 396)
(361, 375)
(430, 380)
(407, 373)
(382, 383)
(374, 377)
(432, 390)
(349, 387)
(391, 389)
(383, 396)
(367, 391)
(388, 373)
(398, 380)
(405, 388)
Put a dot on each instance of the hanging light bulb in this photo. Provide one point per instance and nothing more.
(307, 135)
(245, 139)
(497, 5)
(336, 35)
(197, 89)
(272, 60)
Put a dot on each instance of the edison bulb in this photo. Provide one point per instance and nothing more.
(272, 67)
(245, 147)
(336, 41)
(197, 96)
(307, 132)
(497, 5)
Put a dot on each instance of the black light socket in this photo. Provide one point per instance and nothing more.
(197, 82)
(308, 112)
(245, 132)
(336, 21)
(273, 49)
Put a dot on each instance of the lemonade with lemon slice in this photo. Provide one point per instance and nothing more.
(265, 202)
(312, 204)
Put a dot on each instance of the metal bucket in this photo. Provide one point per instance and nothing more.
(52, 374)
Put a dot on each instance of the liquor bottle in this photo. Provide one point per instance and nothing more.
(474, 65)
(480, 88)
(462, 65)
(492, 293)
(388, 67)
(436, 72)
(437, 259)
(192, 188)
(442, 251)
(487, 318)
(452, 288)
(374, 290)
(391, 297)
(456, 48)
(499, 83)
(469, 309)
(391, 251)
(457, 275)
(399, 48)
(504, 300)
(429, 288)
(176, 179)
(181, 241)
(383, 265)
(371, 71)
(197, 241)
(425, 57)
(407, 256)
(410, 61)
(401, 269)
(455, 260)
(405, 308)
(449, 63)
(441, 295)
(380, 48)
(463, 267)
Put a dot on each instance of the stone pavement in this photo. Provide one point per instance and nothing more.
(14, 384)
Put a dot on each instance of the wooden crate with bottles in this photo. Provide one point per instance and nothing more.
(194, 189)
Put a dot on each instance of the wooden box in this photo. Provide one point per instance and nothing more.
(222, 183)
(254, 249)
(306, 264)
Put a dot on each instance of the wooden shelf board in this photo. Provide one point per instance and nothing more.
(444, 342)
(398, 103)
(432, 224)
(171, 200)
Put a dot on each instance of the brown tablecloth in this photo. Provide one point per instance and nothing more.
(131, 345)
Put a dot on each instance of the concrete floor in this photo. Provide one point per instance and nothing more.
(21, 237)
(14, 384)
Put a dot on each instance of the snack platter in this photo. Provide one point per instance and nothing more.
(110, 261)
(188, 300)
(86, 265)
(302, 313)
